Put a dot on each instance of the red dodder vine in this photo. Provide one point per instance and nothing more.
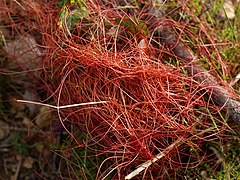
(154, 114)
(149, 104)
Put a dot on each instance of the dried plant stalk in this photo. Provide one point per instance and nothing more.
(148, 163)
(218, 94)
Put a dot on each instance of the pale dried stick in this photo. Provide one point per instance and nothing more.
(61, 107)
(148, 163)
(235, 80)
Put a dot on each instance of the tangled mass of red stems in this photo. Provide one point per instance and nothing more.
(149, 104)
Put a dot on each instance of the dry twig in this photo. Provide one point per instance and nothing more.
(218, 94)
(151, 161)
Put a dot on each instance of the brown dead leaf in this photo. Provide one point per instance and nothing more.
(44, 117)
(19, 157)
(25, 52)
(30, 95)
(28, 163)
(4, 130)
(27, 122)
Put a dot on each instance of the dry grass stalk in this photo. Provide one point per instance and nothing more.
(148, 163)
